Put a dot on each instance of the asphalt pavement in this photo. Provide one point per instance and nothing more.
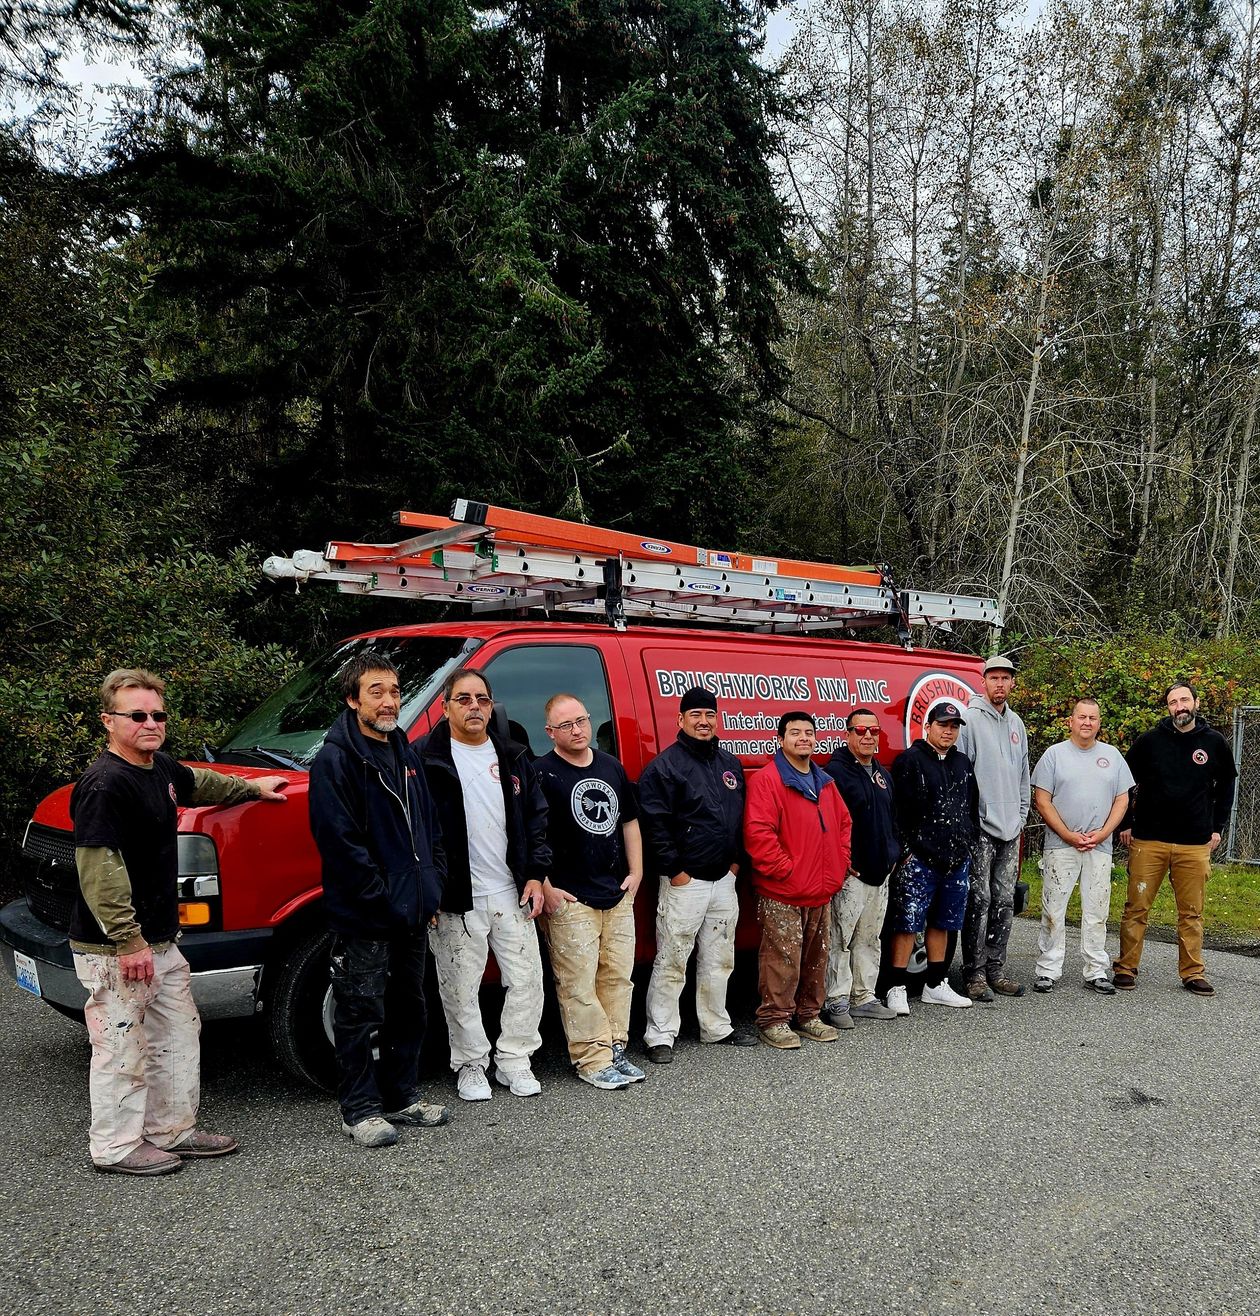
(1062, 1153)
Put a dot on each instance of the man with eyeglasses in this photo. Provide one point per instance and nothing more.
(145, 1076)
(376, 828)
(858, 910)
(494, 831)
(691, 806)
(588, 902)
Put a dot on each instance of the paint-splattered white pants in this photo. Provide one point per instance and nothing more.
(1060, 871)
(700, 915)
(857, 916)
(459, 944)
(145, 1076)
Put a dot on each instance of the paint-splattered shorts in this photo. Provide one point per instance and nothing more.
(921, 897)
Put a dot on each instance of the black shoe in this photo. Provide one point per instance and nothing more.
(1123, 981)
(1100, 985)
(661, 1055)
(737, 1037)
(1199, 986)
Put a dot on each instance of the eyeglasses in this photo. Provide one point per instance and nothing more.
(864, 731)
(577, 722)
(467, 701)
(139, 716)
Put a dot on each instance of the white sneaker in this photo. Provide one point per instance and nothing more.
(945, 995)
(471, 1084)
(896, 1000)
(519, 1082)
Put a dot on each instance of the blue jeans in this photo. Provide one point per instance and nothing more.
(378, 991)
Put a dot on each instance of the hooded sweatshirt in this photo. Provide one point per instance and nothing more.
(997, 745)
(796, 832)
(1185, 784)
(936, 805)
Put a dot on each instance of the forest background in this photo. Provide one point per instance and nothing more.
(959, 286)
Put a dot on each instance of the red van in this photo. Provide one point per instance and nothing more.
(254, 930)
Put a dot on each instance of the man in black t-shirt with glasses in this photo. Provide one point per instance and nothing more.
(145, 1079)
(597, 865)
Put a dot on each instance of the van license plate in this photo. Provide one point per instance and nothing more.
(27, 973)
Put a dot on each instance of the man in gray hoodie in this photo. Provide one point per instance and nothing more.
(995, 741)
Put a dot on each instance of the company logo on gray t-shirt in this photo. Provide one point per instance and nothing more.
(1083, 785)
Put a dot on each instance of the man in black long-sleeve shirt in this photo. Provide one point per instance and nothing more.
(1184, 775)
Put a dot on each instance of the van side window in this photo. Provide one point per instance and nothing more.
(525, 678)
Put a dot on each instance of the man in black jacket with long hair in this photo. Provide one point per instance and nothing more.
(377, 831)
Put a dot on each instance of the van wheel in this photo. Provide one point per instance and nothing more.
(299, 1013)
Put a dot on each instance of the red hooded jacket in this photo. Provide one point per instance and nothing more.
(798, 840)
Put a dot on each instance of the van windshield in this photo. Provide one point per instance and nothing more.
(288, 729)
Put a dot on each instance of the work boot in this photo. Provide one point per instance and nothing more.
(420, 1114)
(662, 1054)
(199, 1143)
(979, 990)
(1005, 985)
(737, 1037)
(781, 1037)
(817, 1031)
(145, 1160)
(375, 1131)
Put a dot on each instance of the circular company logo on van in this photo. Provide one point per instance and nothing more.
(594, 806)
(930, 689)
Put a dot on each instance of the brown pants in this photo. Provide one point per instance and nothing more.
(592, 954)
(1189, 866)
(792, 963)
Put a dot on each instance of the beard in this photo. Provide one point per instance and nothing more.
(383, 725)
(1183, 719)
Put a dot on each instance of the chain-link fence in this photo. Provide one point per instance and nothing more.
(1242, 846)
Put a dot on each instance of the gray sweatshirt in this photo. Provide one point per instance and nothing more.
(997, 745)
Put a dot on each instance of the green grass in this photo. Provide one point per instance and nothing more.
(1231, 909)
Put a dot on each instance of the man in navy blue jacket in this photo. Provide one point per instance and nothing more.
(858, 909)
(373, 820)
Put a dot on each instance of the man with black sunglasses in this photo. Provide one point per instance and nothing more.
(142, 1022)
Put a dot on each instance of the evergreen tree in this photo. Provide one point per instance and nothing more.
(413, 248)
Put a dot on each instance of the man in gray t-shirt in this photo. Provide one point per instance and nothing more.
(1081, 788)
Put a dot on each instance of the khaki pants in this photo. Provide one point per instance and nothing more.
(1188, 866)
(700, 915)
(792, 962)
(857, 917)
(145, 1076)
(592, 955)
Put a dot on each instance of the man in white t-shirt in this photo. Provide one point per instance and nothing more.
(494, 825)
(1081, 788)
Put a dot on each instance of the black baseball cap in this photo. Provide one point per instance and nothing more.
(945, 712)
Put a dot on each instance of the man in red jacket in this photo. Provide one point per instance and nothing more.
(796, 832)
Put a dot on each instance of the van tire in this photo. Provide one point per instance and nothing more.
(298, 1010)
